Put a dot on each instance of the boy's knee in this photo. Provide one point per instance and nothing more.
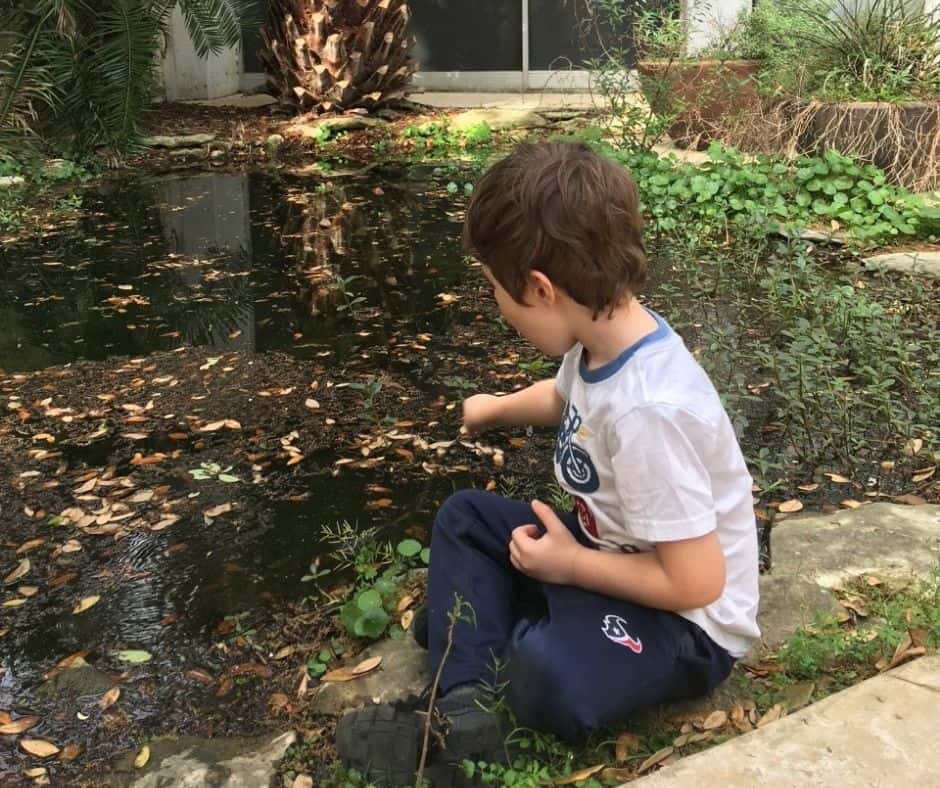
(458, 508)
(542, 693)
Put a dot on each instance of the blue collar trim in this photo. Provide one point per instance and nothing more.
(613, 367)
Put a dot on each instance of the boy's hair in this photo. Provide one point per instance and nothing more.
(561, 209)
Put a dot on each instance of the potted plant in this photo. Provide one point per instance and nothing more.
(860, 77)
(695, 92)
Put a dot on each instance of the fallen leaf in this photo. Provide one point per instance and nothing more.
(367, 666)
(404, 603)
(912, 447)
(312, 404)
(218, 511)
(381, 503)
(142, 757)
(349, 673)
(39, 747)
(251, 669)
(715, 720)
(5, 718)
(16, 602)
(656, 758)
(27, 591)
(302, 781)
(910, 500)
(627, 743)
(923, 474)
(837, 478)
(578, 776)
(32, 544)
(406, 619)
(21, 725)
(70, 752)
(150, 459)
(22, 569)
(850, 504)
(87, 487)
(213, 426)
(86, 603)
(110, 698)
(295, 458)
(302, 686)
(773, 714)
(615, 775)
(808, 488)
(225, 687)
(38, 771)
(134, 656)
(793, 505)
(283, 653)
(197, 674)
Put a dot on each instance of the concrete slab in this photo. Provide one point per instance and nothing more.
(523, 101)
(923, 263)
(238, 101)
(878, 733)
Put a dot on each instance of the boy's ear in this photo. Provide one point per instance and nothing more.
(540, 289)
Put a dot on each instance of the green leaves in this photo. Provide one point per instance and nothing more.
(409, 548)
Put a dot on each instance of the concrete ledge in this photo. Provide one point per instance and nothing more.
(881, 732)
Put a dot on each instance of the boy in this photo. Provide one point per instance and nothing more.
(648, 591)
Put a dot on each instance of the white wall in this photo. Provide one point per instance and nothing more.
(705, 18)
(186, 76)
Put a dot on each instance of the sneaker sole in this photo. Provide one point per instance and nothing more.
(382, 743)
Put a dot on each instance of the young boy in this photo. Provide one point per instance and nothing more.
(648, 591)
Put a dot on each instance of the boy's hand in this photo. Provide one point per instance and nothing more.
(550, 557)
(479, 412)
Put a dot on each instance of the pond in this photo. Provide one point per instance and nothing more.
(255, 269)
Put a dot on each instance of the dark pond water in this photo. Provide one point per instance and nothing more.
(237, 262)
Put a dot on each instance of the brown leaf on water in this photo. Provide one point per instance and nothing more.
(32, 544)
(655, 759)
(715, 720)
(579, 776)
(110, 698)
(22, 569)
(627, 744)
(791, 506)
(70, 752)
(773, 714)
(15, 727)
(39, 747)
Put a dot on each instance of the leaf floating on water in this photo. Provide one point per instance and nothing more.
(793, 505)
(22, 569)
(86, 603)
(110, 698)
(134, 656)
(39, 747)
(579, 776)
(14, 727)
(142, 757)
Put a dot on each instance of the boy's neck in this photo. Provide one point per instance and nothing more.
(608, 336)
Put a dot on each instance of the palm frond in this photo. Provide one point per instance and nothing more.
(214, 25)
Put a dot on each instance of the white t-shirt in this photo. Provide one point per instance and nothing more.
(650, 456)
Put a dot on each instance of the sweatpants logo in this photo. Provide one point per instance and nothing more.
(615, 628)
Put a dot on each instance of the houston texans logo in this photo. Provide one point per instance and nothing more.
(615, 629)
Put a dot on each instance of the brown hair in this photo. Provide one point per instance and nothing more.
(561, 209)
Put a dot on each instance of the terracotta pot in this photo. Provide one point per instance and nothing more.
(903, 139)
(699, 93)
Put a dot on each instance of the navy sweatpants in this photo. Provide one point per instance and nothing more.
(575, 661)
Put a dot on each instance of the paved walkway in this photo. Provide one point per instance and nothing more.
(882, 732)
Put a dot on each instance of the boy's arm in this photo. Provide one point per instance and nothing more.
(539, 405)
(681, 575)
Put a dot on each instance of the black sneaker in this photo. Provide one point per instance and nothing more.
(419, 627)
(384, 742)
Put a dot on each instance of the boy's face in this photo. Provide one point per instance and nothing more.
(542, 319)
